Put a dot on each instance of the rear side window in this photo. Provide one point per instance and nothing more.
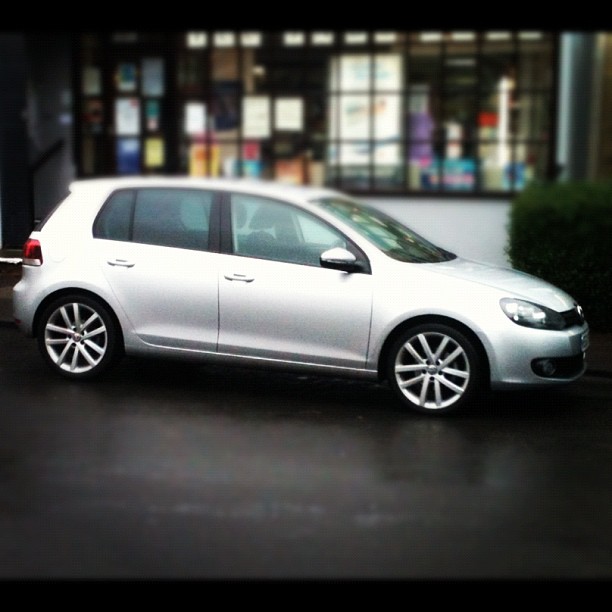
(178, 218)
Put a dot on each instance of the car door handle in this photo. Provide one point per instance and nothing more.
(124, 263)
(240, 277)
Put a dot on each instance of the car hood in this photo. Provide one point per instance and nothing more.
(515, 283)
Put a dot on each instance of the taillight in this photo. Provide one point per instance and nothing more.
(32, 253)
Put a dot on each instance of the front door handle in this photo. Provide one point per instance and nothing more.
(123, 263)
(240, 277)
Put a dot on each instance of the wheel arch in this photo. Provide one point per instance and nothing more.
(419, 320)
(78, 291)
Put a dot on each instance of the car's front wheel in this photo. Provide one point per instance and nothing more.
(434, 368)
(77, 337)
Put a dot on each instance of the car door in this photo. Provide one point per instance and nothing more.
(162, 271)
(277, 302)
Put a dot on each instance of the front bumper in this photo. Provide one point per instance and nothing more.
(537, 358)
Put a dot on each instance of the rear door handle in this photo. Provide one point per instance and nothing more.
(240, 277)
(123, 263)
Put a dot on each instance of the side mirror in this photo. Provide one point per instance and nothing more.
(340, 259)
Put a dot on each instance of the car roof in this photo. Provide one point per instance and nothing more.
(245, 185)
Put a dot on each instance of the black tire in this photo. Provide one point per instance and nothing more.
(435, 369)
(78, 337)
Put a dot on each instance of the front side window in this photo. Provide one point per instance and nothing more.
(269, 229)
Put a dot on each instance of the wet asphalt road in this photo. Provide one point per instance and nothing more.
(175, 471)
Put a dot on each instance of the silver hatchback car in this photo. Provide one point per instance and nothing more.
(254, 273)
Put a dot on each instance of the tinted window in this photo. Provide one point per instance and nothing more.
(113, 223)
(164, 217)
(274, 230)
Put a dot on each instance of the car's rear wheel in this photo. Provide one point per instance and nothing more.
(77, 337)
(434, 368)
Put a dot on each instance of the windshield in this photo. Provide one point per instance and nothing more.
(388, 234)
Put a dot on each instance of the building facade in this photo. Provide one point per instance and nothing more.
(367, 111)
(438, 115)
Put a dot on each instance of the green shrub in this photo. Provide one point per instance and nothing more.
(562, 232)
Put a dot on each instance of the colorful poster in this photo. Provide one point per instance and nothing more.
(127, 116)
(353, 122)
(195, 119)
(256, 116)
(204, 160)
(251, 150)
(152, 115)
(128, 155)
(251, 168)
(153, 76)
(125, 77)
(289, 114)
(421, 131)
(154, 153)
(457, 174)
(290, 171)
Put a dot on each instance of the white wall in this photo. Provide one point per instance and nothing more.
(474, 229)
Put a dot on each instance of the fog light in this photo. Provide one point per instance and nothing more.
(544, 367)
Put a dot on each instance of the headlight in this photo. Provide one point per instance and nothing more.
(531, 315)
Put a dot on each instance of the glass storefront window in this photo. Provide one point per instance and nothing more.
(373, 111)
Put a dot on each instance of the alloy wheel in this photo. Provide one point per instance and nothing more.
(76, 338)
(432, 370)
